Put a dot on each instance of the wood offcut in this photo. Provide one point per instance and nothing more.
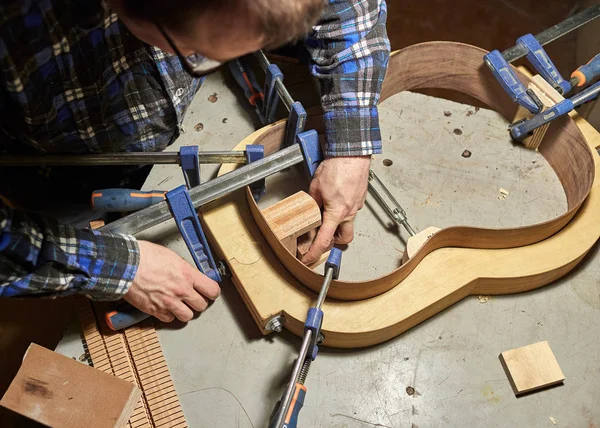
(531, 368)
(57, 391)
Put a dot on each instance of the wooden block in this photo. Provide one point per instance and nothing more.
(415, 242)
(531, 367)
(96, 224)
(293, 217)
(549, 97)
(59, 392)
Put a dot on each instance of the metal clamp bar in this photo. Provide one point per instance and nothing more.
(211, 190)
(555, 32)
(312, 328)
(142, 158)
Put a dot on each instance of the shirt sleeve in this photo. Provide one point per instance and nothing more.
(39, 256)
(350, 52)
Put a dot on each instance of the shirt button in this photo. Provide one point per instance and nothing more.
(179, 92)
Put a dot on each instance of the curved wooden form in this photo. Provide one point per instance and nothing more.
(498, 262)
(564, 148)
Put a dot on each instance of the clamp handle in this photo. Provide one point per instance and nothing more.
(125, 200)
(187, 221)
(588, 72)
(245, 77)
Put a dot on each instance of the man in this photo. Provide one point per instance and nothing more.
(85, 77)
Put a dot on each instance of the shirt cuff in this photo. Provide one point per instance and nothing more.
(117, 258)
(352, 132)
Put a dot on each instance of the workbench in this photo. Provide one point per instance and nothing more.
(445, 371)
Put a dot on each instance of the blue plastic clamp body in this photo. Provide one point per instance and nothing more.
(509, 81)
(520, 131)
(255, 152)
(334, 261)
(314, 320)
(538, 57)
(190, 165)
(273, 74)
(311, 149)
(295, 124)
(187, 221)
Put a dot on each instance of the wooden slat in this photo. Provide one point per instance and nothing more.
(135, 355)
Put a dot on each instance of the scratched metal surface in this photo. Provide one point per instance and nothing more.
(227, 375)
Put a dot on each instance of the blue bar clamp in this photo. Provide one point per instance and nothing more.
(189, 226)
(540, 60)
(314, 316)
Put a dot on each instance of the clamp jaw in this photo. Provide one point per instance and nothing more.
(511, 84)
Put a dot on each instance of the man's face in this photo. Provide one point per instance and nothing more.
(213, 36)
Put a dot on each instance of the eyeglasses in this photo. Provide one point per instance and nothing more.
(196, 65)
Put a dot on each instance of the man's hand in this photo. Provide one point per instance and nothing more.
(340, 187)
(166, 286)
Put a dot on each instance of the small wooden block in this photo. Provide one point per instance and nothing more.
(293, 217)
(415, 242)
(549, 97)
(96, 224)
(59, 392)
(531, 367)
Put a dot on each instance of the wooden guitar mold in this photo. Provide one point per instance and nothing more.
(454, 263)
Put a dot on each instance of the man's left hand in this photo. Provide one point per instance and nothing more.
(340, 187)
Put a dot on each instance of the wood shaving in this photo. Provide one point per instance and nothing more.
(552, 420)
(503, 194)
(483, 299)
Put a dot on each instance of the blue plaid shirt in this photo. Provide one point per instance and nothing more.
(74, 79)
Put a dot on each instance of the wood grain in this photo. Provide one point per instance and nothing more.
(414, 243)
(438, 278)
(549, 97)
(532, 367)
(134, 355)
(292, 217)
(564, 148)
(57, 391)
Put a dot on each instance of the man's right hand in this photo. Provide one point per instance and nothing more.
(166, 286)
